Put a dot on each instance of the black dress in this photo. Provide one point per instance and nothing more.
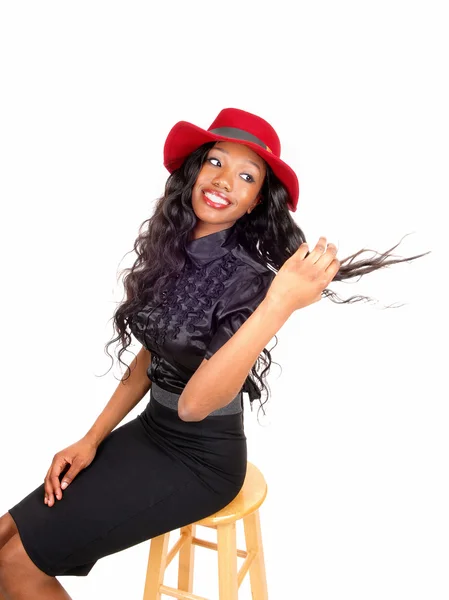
(157, 472)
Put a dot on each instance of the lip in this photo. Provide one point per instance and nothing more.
(215, 193)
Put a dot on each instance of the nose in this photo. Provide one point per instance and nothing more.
(222, 180)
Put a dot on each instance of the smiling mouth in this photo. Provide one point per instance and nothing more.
(215, 200)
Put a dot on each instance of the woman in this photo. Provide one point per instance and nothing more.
(220, 268)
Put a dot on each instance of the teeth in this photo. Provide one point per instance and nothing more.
(216, 199)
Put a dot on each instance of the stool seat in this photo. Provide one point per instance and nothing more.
(249, 499)
(244, 507)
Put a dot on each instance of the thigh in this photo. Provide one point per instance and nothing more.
(128, 475)
(189, 502)
(133, 490)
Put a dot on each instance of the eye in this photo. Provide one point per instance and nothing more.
(212, 158)
(251, 178)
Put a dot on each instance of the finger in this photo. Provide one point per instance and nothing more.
(328, 257)
(302, 251)
(54, 478)
(318, 251)
(47, 486)
(333, 269)
(71, 474)
(56, 486)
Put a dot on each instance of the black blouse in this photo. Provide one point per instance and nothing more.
(219, 287)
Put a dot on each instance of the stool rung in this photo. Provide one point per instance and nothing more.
(176, 547)
(169, 591)
(245, 566)
(214, 546)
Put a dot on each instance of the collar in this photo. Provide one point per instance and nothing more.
(205, 249)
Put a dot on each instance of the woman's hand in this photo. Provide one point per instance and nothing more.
(300, 280)
(79, 456)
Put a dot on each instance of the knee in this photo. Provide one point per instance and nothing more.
(16, 566)
(9, 557)
(7, 528)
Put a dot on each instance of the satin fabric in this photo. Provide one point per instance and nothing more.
(220, 286)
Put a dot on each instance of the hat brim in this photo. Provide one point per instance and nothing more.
(184, 138)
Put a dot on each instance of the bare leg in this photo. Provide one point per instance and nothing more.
(7, 529)
(20, 578)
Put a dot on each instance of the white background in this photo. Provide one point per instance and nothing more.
(354, 446)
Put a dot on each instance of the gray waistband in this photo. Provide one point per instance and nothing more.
(170, 399)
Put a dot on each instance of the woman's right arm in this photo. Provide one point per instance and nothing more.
(80, 454)
(127, 395)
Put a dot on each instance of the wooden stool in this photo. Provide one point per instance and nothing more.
(244, 506)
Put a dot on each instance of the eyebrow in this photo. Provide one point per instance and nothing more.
(226, 152)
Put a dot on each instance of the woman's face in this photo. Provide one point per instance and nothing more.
(231, 173)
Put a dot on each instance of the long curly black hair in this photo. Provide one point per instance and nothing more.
(162, 238)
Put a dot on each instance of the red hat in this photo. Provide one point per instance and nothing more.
(233, 125)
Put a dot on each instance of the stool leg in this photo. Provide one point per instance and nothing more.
(257, 574)
(156, 567)
(186, 560)
(227, 562)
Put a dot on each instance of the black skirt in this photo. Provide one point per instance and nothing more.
(152, 475)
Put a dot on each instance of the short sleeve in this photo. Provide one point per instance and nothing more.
(244, 300)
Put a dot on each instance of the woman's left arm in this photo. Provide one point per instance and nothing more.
(217, 381)
(298, 283)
